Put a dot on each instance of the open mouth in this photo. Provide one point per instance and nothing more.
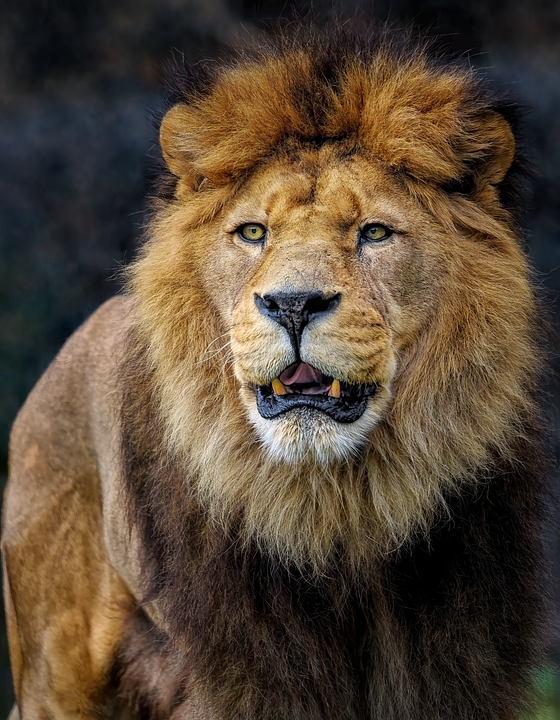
(302, 386)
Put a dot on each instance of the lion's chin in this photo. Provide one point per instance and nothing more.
(306, 434)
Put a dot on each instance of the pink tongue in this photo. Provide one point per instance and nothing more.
(302, 373)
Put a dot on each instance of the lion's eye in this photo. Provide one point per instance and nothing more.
(375, 233)
(252, 232)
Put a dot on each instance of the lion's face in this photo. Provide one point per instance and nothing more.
(321, 265)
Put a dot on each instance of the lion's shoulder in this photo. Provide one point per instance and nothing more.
(65, 425)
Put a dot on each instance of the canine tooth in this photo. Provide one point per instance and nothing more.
(335, 389)
(278, 388)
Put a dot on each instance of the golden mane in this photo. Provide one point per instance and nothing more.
(462, 396)
(431, 122)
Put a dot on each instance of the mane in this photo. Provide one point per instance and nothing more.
(250, 633)
(462, 396)
(232, 537)
(414, 106)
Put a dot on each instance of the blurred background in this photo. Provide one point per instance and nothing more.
(80, 81)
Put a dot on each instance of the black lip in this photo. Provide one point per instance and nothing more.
(345, 409)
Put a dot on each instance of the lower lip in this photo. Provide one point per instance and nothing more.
(343, 410)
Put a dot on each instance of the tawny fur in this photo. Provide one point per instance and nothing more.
(464, 389)
(211, 564)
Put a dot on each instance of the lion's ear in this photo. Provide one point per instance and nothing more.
(173, 140)
(499, 146)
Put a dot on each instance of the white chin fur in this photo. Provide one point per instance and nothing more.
(305, 434)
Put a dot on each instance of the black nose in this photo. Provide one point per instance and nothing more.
(295, 310)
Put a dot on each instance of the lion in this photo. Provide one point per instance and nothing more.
(296, 471)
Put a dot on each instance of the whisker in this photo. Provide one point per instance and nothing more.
(217, 352)
(216, 340)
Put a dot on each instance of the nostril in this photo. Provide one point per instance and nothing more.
(267, 305)
(270, 303)
(333, 302)
(319, 304)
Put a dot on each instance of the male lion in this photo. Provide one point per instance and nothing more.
(296, 472)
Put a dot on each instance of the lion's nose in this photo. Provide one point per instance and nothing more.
(295, 310)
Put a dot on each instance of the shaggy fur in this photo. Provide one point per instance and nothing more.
(463, 391)
(170, 551)
(403, 580)
(446, 629)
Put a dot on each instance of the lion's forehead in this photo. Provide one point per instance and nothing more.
(332, 194)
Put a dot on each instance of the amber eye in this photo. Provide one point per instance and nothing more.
(252, 232)
(375, 233)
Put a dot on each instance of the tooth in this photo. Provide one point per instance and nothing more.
(335, 389)
(278, 388)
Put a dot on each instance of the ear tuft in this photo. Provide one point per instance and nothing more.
(172, 135)
(498, 137)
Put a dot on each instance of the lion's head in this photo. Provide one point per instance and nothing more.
(333, 296)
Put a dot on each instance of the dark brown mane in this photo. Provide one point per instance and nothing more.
(444, 607)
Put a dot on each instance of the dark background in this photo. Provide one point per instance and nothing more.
(79, 82)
